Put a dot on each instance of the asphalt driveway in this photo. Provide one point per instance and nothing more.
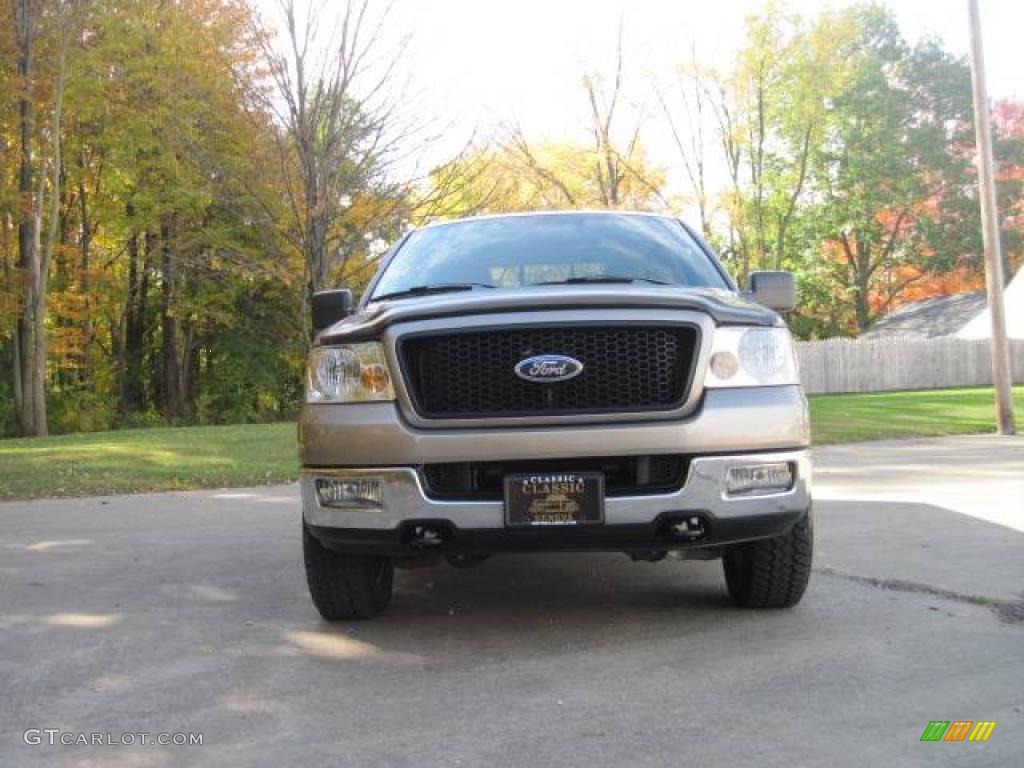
(188, 613)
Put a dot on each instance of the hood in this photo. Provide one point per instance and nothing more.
(725, 307)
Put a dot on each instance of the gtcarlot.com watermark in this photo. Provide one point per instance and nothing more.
(55, 736)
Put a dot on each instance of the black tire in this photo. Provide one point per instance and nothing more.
(772, 573)
(346, 586)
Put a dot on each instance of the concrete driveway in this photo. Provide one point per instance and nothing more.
(188, 613)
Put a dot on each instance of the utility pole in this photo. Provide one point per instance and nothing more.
(1000, 350)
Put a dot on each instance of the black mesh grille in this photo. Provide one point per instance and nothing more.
(625, 369)
(623, 475)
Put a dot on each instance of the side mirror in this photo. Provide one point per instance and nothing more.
(776, 290)
(331, 306)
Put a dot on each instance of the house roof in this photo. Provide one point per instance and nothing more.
(1013, 301)
(929, 318)
(964, 315)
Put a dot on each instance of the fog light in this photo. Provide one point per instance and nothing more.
(756, 479)
(358, 492)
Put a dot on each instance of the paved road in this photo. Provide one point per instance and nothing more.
(188, 612)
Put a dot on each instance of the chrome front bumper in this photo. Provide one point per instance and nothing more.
(405, 499)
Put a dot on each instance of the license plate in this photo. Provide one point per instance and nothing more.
(554, 498)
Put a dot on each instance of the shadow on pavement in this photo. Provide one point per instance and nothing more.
(921, 543)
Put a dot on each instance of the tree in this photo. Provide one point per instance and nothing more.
(844, 151)
(1008, 122)
(888, 182)
(148, 173)
(616, 163)
(338, 119)
(546, 175)
(516, 173)
(771, 111)
(695, 96)
(26, 20)
(38, 212)
(612, 172)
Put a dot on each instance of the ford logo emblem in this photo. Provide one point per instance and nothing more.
(548, 368)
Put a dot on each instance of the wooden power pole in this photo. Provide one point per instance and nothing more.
(1000, 349)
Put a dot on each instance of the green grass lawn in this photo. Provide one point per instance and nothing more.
(209, 457)
(925, 413)
(158, 459)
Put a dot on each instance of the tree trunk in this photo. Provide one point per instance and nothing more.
(34, 255)
(190, 326)
(862, 284)
(16, 370)
(117, 326)
(189, 366)
(317, 247)
(757, 175)
(861, 305)
(24, 392)
(134, 327)
(169, 321)
(38, 372)
(85, 280)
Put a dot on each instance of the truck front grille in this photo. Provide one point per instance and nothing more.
(623, 475)
(626, 369)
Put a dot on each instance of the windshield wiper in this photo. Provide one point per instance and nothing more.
(603, 279)
(424, 290)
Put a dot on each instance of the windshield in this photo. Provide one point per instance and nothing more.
(519, 251)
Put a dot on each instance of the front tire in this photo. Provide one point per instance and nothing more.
(346, 586)
(771, 573)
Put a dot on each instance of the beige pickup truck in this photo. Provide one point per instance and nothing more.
(554, 382)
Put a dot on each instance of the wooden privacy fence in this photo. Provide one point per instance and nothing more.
(881, 365)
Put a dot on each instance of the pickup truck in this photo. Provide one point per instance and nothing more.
(553, 382)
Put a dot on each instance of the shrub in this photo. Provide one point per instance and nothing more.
(79, 410)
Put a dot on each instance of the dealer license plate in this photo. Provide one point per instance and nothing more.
(554, 498)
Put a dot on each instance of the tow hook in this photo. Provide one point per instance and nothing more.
(688, 528)
(426, 537)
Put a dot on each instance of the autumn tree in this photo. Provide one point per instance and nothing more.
(611, 170)
(141, 233)
(155, 231)
(686, 106)
(43, 33)
(544, 175)
(769, 112)
(331, 97)
(516, 172)
(889, 185)
(1008, 122)
(845, 157)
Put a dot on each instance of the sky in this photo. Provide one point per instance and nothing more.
(527, 56)
(473, 65)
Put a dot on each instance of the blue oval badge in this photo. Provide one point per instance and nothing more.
(546, 369)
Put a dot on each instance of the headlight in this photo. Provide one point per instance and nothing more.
(751, 357)
(348, 374)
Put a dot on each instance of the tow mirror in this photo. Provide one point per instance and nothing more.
(331, 306)
(774, 289)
